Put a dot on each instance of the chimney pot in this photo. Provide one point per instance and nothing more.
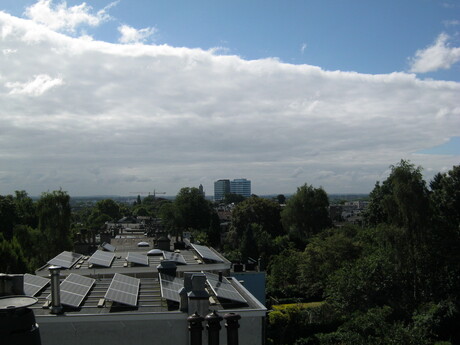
(56, 307)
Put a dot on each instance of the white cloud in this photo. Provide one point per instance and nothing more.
(35, 87)
(132, 35)
(435, 57)
(303, 47)
(453, 22)
(62, 18)
(7, 51)
(139, 117)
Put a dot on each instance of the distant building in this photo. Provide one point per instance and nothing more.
(201, 189)
(221, 187)
(241, 186)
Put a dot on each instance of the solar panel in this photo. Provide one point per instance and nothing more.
(74, 289)
(176, 257)
(102, 258)
(223, 289)
(123, 289)
(138, 258)
(108, 247)
(206, 253)
(170, 287)
(33, 284)
(65, 259)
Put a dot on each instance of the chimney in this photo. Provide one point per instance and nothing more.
(56, 307)
(198, 298)
(213, 327)
(196, 329)
(167, 267)
(232, 325)
(17, 321)
(183, 292)
(11, 284)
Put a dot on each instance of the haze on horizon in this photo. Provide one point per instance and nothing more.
(113, 98)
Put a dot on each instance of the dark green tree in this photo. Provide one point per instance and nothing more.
(54, 221)
(306, 213)
(232, 198)
(403, 201)
(193, 211)
(26, 209)
(284, 273)
(263, 212)
(281, 199)
(109, 208)
(8, 216)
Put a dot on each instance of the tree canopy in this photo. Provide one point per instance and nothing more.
(306, 213)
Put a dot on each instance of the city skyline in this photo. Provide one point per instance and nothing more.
(111, 98)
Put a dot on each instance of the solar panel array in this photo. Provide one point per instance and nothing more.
(65, 259)
(170, 287)
(206, 253)
(138, 258)
(123, 289)
(108, 247)
(74, 289)
(176, 257)
(34, 284)
(101, 258)
(224, 289)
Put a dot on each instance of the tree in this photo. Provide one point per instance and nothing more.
(283, 278)
(232, 198)
(327, 252)
(403, 201)
(306, 213)
(26, 209)
(193, 211)
(8, 216)
(263, 212)
(281, 199)
(214, 230)
(54, 221)
(109, 208)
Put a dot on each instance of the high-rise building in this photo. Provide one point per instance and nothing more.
(221, 187)
(241, 186)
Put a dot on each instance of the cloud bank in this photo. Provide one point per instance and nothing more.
(435, 57)
(100, 118)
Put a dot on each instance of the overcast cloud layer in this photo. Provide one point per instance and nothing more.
(99, 118)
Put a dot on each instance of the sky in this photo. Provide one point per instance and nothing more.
(127, 97)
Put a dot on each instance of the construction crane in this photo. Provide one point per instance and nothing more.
(149, 193)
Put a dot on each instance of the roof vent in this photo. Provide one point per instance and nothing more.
(198, 298)
(56, 307)
(167, 267)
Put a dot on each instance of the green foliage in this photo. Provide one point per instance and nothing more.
(8, 216)
(263, 212)
(306, 214)
(193, 211)
(281, 199)
(25, 209)
(54, 221)
(284, 277)
(109, 208)
(232, 198)
(326, 253)
(12, 259)
(289, 322)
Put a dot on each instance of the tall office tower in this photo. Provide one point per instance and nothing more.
(241, 186)
(221, 187)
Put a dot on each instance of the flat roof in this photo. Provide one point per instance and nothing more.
(194, 262)
(149, 300)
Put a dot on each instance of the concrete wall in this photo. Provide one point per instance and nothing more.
(138, 329)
